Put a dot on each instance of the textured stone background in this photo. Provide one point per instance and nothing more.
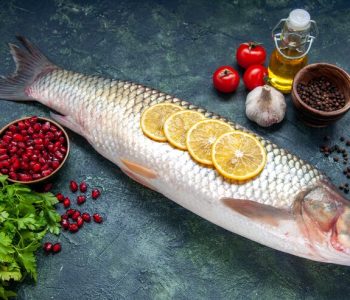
(148, 246)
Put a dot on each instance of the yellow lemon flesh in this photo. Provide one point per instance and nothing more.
(238, 155)
(177, 126)
(154, 117)
(202, 136)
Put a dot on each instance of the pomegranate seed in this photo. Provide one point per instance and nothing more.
(21, 125)
(7, 138)
(47, 247)
(27, 123)
(46, 173)
(95, 194)
(38, 141)
(80, 222)
(45, 167)
(73, 227)
(3, 151)
(30, 130)
(86, 217)
(59, 155)
(21, 145)
(16, 164)
(33, 119)
(73, 186)
(24, 177)
(60, 197)
(4, 157)
(55, 164)
(36, 176)
(25, 166)
(56, 248)
(13, 175)
(36, 167)
(76, 215)
(65, 224)
(37, 126)
(46, 126)
(83, 187)
(66, 202)
(4, 171)
(5, 163)
(13, 128)
(97, 218)
(70, 212)
(18, 137)
(81, 199)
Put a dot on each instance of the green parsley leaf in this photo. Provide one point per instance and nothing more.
(25, 217)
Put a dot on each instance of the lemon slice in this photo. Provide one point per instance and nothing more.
(177, 126)
(238, 155)
(202, 136)
(153, 119)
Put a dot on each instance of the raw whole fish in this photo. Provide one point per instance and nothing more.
(290, 206)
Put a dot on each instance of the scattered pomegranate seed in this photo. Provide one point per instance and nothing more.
(86, 217)
(73, 227)
(83, 187)
(95, 193)
(47, 247)
(97, 218)
(56, 248)
(60, 197)
(70, 212)
(73, 186)
(66, 202)
(80, 222)
(81, 200)
(76, 215)
(64, 217)
(65, 224)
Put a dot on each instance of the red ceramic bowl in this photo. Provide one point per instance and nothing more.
(338, 77)
(55, 171)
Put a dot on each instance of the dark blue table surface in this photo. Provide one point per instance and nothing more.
(149, 247)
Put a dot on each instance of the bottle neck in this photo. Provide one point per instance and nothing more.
(294, 40)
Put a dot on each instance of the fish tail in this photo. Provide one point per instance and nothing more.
(30, 63)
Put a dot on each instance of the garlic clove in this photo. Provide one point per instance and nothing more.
(265, 106)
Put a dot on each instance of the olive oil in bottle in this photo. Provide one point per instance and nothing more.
(292, 47)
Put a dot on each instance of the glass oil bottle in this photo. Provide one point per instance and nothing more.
(293, 44)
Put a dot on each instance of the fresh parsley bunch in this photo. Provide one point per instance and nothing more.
(25, 217)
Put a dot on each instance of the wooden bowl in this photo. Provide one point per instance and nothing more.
(47, 178)
(338, 77)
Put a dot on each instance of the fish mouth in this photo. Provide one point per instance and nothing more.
(325, 223)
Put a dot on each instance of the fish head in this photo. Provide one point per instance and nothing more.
(324, 218)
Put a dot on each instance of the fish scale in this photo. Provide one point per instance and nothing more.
(276, 208)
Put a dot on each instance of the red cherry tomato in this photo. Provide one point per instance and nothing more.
(254, 76)
(249, 54)
(226, 79)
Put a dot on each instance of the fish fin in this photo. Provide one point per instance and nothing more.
(139, 179)
(30, 63)
(257, 211)
(139, 169)
(68, 122)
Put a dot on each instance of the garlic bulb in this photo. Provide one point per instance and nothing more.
(265, 106)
